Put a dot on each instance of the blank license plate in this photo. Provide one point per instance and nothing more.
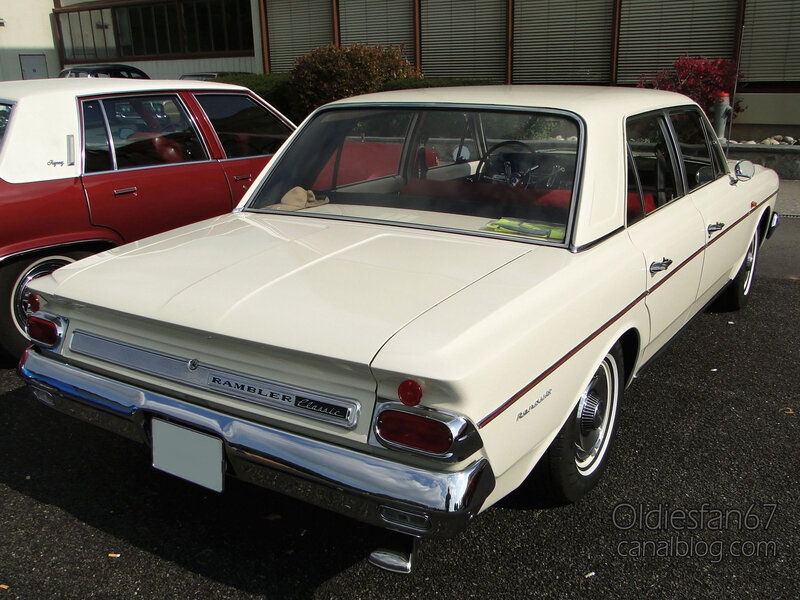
(193, 456)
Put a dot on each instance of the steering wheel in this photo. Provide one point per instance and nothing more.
(508, 176)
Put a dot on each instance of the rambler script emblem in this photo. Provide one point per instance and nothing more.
(230, 384)
(328, 410)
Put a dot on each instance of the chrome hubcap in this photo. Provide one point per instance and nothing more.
(21, 306)
(749, 264)
(594, 418)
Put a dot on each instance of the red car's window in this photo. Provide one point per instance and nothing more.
(144, 130)
(5, 113)
(96, 149)
(244, 127)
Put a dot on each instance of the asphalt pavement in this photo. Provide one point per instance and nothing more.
(700, 498)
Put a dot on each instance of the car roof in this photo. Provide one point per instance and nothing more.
(45, 120)
(603, 101)
(99, 67)
(71, 87)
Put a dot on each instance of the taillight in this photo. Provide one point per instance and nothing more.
(409, 392)
(34, 304)
(45, 330)
(414, 431)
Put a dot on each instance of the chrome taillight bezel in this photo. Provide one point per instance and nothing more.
(60, 324)
(465, 436)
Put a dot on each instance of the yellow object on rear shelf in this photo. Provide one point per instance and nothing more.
(549, 231)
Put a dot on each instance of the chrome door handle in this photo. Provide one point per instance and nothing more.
(242, 177)
(655, 267)
(123, 191)
(715, 227)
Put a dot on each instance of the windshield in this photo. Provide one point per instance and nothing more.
(489, 171)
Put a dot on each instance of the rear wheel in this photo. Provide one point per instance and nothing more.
(15, 293)
(577, 457)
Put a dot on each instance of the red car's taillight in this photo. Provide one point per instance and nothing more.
(45, 330)
(414, 431)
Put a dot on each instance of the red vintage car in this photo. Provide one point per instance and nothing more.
(87, 164)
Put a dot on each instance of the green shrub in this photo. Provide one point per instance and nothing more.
(331, 72)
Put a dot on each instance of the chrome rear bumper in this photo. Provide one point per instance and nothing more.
(372, 489)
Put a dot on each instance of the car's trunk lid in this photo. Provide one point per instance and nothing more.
(323, 287)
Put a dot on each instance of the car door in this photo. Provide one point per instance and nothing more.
(248, 132)
(722, 205)
(665, 225)
(145, 166)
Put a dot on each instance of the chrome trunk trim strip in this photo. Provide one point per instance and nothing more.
(343, 412)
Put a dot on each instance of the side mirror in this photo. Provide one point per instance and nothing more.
(744, 170)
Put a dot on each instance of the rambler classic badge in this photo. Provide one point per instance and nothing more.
(250, 390)
(334, 410)
(340, 412)
(190, 371)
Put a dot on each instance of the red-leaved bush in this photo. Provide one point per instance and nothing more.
(700, 78)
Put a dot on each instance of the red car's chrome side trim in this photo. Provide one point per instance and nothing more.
(508, 403)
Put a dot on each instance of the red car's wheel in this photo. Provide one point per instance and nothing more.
(14, 281)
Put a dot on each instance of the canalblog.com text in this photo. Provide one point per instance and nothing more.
(678, 547)
(685, 528)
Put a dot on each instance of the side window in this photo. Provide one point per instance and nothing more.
(370, 148)
(695, 149)
(151, 130)
(244, 127)
(446, 138)
(96, 149)
(654, 163)
(635, 206)
(5, 112)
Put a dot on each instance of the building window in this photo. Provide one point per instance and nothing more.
(157, 29)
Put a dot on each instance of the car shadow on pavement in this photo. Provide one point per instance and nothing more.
(249, 538)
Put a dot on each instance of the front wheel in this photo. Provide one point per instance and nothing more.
(14, 281)
(577, 456)
(736, 295)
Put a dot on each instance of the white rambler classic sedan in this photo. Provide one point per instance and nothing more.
(427, 298)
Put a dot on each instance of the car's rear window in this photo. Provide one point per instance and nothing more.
(5, 113)
(506, 172)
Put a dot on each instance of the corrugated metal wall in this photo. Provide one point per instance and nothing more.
(562, 41)
(378, 22)
(295, 28)
(464, 39)
(653, 33)
(556, 41)
(771, 41)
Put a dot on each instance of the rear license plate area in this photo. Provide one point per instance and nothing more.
(188, 454)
